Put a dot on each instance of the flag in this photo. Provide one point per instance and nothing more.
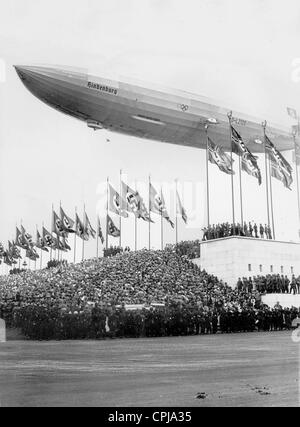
(280, 167)
(165, 212)
(32, 254)
(27, 237)
(88, 227)
(157, 205)
(7, 259)
(63, 245)
(296, 154)
(133, 202)
(13, 251)
(115, 203)
(68, 223)
(143, 212)
(100, 234)
(277, 172)
(131, 199)
(249, 165)
(80, 229)
(112, 230)
(155, 201)
(57, 225)
(21, 240)
(49, 240)
(66, 245)
(180, 209)
(249, 162)
(292, 113)
(40, 242)
(218, 156)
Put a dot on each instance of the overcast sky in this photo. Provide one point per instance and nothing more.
(241, 52)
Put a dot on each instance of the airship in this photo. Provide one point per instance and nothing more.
(146, 111)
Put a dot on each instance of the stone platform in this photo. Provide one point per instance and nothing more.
(234, 257)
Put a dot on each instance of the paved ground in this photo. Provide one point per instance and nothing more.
(259, 369)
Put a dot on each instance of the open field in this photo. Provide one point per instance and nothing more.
(259, 369)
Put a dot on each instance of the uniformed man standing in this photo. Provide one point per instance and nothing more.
(261, 231)
(270, 233)
(250, 230)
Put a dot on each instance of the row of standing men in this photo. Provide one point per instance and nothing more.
(219, 231)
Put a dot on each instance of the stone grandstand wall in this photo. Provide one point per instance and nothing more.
(235, 257)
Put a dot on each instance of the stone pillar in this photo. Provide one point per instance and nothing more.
(2, 331)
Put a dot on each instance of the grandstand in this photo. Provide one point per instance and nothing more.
(171, 294)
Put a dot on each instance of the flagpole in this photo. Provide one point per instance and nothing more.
(297, 179)
(176, 230)
(232, 183)
(97, 247)
(107, 213)
(57, 247)
(135, 223)
(43, 224)
(207, 177)
(52, 232)
(120, 189)
(36, 236)
(161, 223)
(75, 235)
(149, 205)
(241, 190)
(58, 240)
(264, 125)
(84, 228)
(51, 253)
(271, 199)
(20, 250)
(61, 252)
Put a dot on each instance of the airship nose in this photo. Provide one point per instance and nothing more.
(20, 71)
(25, 71)
(32, 72)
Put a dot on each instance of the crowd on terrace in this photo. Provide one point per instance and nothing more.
(132, 294)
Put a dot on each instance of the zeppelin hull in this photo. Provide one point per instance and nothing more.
(139, 111)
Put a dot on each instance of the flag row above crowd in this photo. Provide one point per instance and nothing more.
(129, 202)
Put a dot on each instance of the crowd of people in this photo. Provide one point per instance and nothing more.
(17, 270)
(56, 263)
(115, 250)
(271, 284)
(189, 249)
(39, 323)
(167, 293)
(219, 231)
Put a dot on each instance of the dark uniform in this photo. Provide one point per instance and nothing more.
(250, 229)
(261, 231)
